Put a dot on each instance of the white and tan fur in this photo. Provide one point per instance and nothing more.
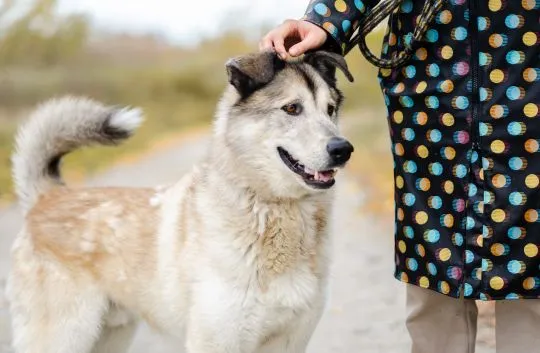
(234, 255)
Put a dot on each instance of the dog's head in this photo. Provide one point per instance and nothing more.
(280, 119)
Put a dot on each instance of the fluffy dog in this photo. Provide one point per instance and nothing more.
(234, 255)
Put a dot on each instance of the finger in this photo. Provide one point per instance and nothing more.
(279, 46)
(265, 44)
(311, 41)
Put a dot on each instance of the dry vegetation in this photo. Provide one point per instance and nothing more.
(43, 55)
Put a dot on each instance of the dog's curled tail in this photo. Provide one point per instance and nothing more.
(57, 127)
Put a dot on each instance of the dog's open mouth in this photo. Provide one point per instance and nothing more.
(316, 179)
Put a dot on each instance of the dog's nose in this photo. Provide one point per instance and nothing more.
(339, 150)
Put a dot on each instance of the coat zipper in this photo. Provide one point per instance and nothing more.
(473, 28)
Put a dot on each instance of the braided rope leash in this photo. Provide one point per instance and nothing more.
(376, 16)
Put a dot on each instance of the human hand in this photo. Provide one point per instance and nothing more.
(293, 38)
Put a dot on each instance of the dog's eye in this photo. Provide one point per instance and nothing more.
(292, 109)
(331, 109)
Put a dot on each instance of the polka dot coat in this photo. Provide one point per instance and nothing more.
(465, 131)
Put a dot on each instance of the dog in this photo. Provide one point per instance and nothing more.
(234, 256)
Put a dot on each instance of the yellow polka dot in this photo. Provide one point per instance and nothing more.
(529, 39)
(448, 119)
(445, 287)
(494, 5)
(530, 110)
(531, 181)
(424, 184)
(497, 249)
(421, 217)
(399, 182)
(496, 283)
(448, 187)
(422, 151)
(530, 250)
(402, 246)
(447, 86)
(392, 39)
(444, 254)
(496, 76)
(400, 214)
(529, 283)
(496, 111)
(447, 52)
(340, 5)
(403, 277)
(421, 53)
(531, 216)
(450, 153)
(448, 220)
(531, 145)
(498, 215)
(499, 180)
(423, 282)
(385, 72)
(528, 4)
(497, 146)
(421, 87)
(421, 250)
(400, 151)
(530, 75)
(480, 240)
(398, 117)
(495, 40)
(446, 17)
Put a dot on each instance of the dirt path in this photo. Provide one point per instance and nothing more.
(366, 310)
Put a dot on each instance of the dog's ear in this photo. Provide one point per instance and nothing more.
(326, 63)
(248, 73)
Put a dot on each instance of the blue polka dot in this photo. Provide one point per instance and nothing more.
(432, 102)
(436, 202)
(469, 256)
(515, 163)
(433, 70)
(407, 6)
(470, 223)
(512, 21)
(513, 93)
(435, 135)
(408, 231)
(514, 266)
(412, 264)
(468, 289)
(512, 296)
(483, 129)
(457, 239)
(472, 190)
(432, 236)
(321, 9)
(514, 128)
(483, 93)
(474, 156)
(482, 23)
(513, 57)
(410, 71)
(432, 35)
(406, 101)
(436, 168)
(408, 134)
(346, 25)
(410, 167)
(460, 33)
(514, 233)
(515, 198)
(409, 199)
(360, 5)
(483, 59)
(462, 102)
(432, 269)
(461, 171)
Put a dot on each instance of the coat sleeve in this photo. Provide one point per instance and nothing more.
(339, 18)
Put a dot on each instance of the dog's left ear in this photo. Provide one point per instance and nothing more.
(250, 72)
(326, 63)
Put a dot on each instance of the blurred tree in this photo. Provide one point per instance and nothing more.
(38, 35)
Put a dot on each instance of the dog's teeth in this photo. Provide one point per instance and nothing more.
(317, 175)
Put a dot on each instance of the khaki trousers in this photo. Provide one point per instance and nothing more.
(441, 324)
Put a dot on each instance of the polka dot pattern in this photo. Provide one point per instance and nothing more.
(465, 129)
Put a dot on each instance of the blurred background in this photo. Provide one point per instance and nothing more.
(168, 57)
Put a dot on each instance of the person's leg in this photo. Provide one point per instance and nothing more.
(438, 323)
(517, 327)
